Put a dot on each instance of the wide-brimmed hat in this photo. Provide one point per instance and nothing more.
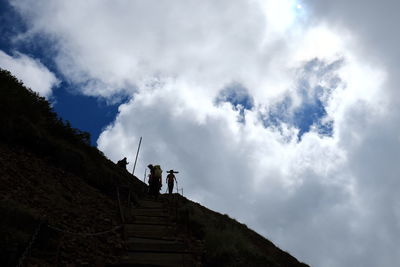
(171, 171)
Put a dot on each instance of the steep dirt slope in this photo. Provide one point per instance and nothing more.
(32, 191)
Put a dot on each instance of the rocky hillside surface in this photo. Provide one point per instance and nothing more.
(63, 203)
(32, 191)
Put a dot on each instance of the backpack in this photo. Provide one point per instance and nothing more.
(157, 172)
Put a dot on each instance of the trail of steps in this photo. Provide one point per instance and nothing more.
(152, 238)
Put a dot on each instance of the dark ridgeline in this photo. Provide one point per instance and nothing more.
(50, 173)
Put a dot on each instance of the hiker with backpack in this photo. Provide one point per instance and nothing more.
(170, 180)
(155, 179)
(150, 181)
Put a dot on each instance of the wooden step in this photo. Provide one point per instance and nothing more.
(156, 245)
(150, 219)
(149, 231)
(158, 259)
(150, 212)
(150, 204)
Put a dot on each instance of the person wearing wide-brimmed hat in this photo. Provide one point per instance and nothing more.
(170, 180)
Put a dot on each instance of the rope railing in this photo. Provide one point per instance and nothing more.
(42, 224)
(85, 234)
(29, 246)
(179, 189)
(64, 231)
(70, 232)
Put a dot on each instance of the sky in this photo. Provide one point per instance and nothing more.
(283, 114)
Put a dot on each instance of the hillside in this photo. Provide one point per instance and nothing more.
(67, 197)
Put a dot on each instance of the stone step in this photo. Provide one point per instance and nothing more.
(155, 245)
(158, 259)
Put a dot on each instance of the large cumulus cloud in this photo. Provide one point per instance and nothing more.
(329, 199)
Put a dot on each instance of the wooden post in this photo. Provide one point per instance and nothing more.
(129, 197)
(120, 207)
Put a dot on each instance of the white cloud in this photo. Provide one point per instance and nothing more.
(32, 72)
(330, 201)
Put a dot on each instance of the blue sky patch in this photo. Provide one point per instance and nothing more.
(238, 96)
(11, 24)
(317, 81)
(86, 113)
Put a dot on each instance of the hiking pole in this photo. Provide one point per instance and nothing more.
(137, 153)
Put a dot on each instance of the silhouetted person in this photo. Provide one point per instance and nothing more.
(151, 175)
(122, 163)
(170, 181)
(155, 179)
